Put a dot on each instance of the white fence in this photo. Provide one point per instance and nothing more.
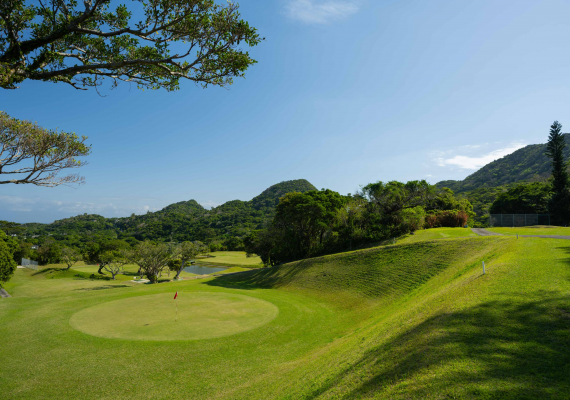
(31, 264)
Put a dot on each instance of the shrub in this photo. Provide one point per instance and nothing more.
(413, 218)
(447, 219)
(7, 263)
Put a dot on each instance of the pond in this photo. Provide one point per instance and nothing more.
(201, 270)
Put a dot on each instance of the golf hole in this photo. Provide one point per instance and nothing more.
(201, 315)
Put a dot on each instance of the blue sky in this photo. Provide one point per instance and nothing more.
(345, 93)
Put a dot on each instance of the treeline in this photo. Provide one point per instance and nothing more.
(111, 256)
(186, 220)
(323, 222)
(90, 249)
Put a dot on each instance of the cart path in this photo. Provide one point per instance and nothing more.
(484, 232)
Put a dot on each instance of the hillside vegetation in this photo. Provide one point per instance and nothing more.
(524, 165)
(529, 164)
(179, 221)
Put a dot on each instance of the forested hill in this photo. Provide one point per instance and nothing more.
(270, 197)
(527, 164)
(524, 165)
(184, 207)
(185, 220)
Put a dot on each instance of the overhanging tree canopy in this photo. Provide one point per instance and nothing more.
(83, 43)
(32, 154)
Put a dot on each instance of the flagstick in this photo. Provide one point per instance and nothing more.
(176, 319)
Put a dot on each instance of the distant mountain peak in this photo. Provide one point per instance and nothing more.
(269, 198)
(185, 207)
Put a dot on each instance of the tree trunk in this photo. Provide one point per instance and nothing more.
(101, 266)
(180, 270)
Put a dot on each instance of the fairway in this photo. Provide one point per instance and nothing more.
(532, 230)
(232, 258)
(201, 315)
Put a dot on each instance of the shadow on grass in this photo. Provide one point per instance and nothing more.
(499, 349)
(566, 260)
(103, 287)
(265, 278)
(47, 271)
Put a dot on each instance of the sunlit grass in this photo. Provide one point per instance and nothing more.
(233, 258)
(436, 233)
(539, 230)
(406, 321)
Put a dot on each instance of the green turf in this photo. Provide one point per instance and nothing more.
(409, 321)
(233, 258)
(193, 315)
(539, 230)
(436, 233)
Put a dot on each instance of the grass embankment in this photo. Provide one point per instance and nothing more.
(532, 230)
(436, 233)
(464, 335)
(416, 320)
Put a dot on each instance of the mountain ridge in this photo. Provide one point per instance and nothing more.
(527, 164)
(184, 220)
(481, 188)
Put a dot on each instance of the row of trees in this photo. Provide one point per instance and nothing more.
(92, 250)
(152, 258)
(320, 222)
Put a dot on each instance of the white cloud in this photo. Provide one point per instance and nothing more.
(22, 204)
(476, 162)
(209, 204)
(320, 11)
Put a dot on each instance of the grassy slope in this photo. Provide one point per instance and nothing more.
(464, 335)
(437, 233)
(407, 321)
(542, 230)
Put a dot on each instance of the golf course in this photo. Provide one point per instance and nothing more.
(414, 320)
(284, 200)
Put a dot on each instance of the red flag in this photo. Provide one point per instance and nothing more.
(176, 295)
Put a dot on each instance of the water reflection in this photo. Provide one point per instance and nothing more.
(202, 270)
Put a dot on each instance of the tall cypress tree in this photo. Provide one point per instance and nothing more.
(559, 204)
(555, 150)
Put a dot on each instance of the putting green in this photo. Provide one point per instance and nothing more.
(201, 315)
